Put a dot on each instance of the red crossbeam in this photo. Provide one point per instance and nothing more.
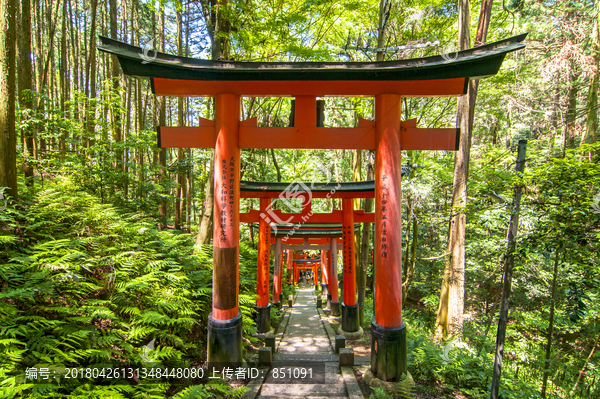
(253, 216)
(359, 138)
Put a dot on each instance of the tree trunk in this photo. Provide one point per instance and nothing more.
(90, 113)
(218, 31)
(571, 114)
(384, 11)
(8, 135)
(412, 260)
(180, 200)
(162, 118)
(64, 80)
(550, 325)
(115, 75)
(582, 371)
(360, 278)
(450, 312)
(592, 106)
(25, 86)
(507, 279)
(276, 165)
(206, 222)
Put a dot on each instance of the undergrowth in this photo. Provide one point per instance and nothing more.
(85, 284)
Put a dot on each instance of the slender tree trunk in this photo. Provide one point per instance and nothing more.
(276, 165)
(64, 81)
(206, 222)
(550, 324)
(8, 135)
(162, 116)
(361, 277)
(587, 361)
(509, 262)
(384, 10)
(90, 113)
(571, 115)
(450, 312)
(411, 260)
(25, 86)
(181, 173)
(592, 106)
(115, 76)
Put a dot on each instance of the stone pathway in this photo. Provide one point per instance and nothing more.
(306, 343)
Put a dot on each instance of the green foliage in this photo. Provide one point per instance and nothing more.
(86, 285)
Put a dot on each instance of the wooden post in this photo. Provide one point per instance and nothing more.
(333, 280)
(324, 273)
(290, 256)
(388, 338)
(225, 321)
(263, 308)
(509, 262)
(349, 306)
(277, 273)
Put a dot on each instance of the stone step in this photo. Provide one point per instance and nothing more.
(306, 397)
(303, 390)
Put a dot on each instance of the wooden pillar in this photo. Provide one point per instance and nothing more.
(263, 311)
(324, 273)
(290, 256)
(333, 280)
(350, 320)
(388, 338)
(225, 321)
(277, 273)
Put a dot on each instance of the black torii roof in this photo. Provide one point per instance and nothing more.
(257, 186)
(474, 63)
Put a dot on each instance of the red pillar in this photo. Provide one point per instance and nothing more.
(333, 280)
(324, 273)
(277, 272)
(264, 257)
(348, 252)
(225, 321)
(388, 342)
(263, 317)
(350, 323)
(289, 265)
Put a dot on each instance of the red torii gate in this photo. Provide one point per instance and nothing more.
(387, 81)
(343, 219)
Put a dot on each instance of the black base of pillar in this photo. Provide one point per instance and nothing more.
(225, 341)
(316, 287)
(277, 304)
(388, 351)
(335, 309)
(263, 318)
(280, 298)
(350, 318)
(328, 301)
(324, 289)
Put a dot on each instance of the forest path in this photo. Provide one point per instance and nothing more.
(305, 345)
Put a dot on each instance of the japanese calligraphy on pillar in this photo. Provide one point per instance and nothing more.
(384, 200)
(231, 190)
(347, 249)
(225, 189)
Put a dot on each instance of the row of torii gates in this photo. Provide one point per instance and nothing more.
(309, 231)
(388, 135)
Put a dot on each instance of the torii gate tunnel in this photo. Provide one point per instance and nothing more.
(327, 228)
(388, 135)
